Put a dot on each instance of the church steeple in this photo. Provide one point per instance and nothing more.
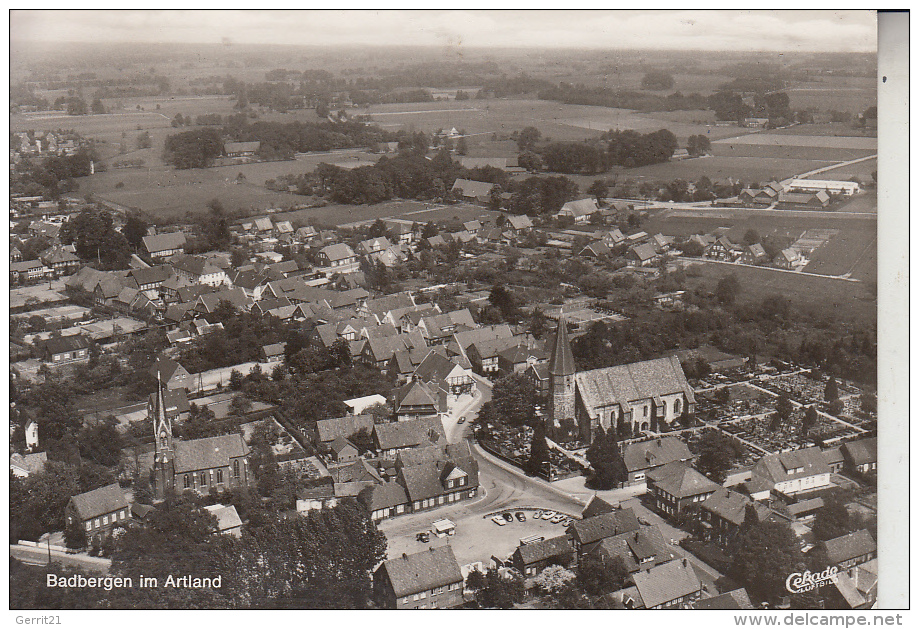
(562, 361)
(162, 425)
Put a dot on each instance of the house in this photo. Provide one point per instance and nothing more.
(641, 255)
(587, 533)
(434, 483)
(850, 550)
(531, 559)
(794, 472)
(384, 500)
(15, 254)
(417, 399)
(359, 404)
(753, 254)
(150, 279)
(28, 270)
(373, 245)
(472, 191)
(24, 465)
(638, 550)
(579, 211)
(596, 506)
(343, 451)
(724, 512)
(171, 374)
(438, 328)
(339, 258)
(803, 200)
(241, 149)
(378, 351)
(59, 260)
(390, 439)
(645, 395)
(164, 245)
(61, 350)
(672, 585)
(436, 369)
(640, 458)
(858, 586)
(473, 227)
(518, 223)
(272, 354)
(787, 259)
(676, 486)
(758, 198)
(228, 522)
(735, 599)
(98, 511)
(31, 434)
(210, 302)
(430, 579)
(519, 358)
(861, 456)
(598, 250)
(199, 270)
(176, 404)
(834, 459)
(724, 250)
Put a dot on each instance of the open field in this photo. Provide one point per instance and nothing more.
(824, 141)
(837, 298)
(848, 252)
(843, 173)
(747, 169)
(406, 210)
(816, 153)
(856, 97)
(840, 129)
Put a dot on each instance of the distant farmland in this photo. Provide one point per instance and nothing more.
(405, 210)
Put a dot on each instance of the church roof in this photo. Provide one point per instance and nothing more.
(562, 361)
(208, 453)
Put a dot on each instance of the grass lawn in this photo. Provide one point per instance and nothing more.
(850, 251)
(747, 169)
(836, 298)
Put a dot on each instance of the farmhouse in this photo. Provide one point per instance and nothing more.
(579, 211)
(339, 258)
(530, 559)
(787, 259)
(164, 245)
(794, 472)
(860, 457)
(586, 534)
(851, 550)
(803, 200)
(472, 191)
(65, 349)
(668, 586)
(639, 550)
(241, 149)
(98, 511)
(60, 260)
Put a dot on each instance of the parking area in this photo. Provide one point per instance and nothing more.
(477, 537)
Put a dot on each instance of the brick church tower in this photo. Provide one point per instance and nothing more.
(561, 377)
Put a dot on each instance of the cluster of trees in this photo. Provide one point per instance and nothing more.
(52, 176)
(657, 80)
(193, 149)
(608, 468)
(614, 148)
(541, 195)
(283, 139)
(239, 341)
(93, 234)
(581, 94)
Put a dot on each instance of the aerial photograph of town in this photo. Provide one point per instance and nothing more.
(407, 310)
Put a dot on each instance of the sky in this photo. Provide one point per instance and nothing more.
(805, 31)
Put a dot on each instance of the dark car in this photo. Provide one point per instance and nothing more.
(508, 517)
(521, 516)
(424, 537)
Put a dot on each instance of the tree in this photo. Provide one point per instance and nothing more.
(93, 234)
(834, 520)
(727, 289)
(539, 450)
(657, 80)
(236, 380)
(363, 441)
(75, 535)
(763, 555)
(134, 230)
(461, 146)
(809, 421)
(784, 407)
(494, 591)
(605, 459)
(514, 399)
(98, 107)
(831, 391)
(716, 456)
(144, 141)
(698, 145)
(598, 577)
(554, 579)
(377, 229)
(527, 138)
(598, 189)
(751, 237)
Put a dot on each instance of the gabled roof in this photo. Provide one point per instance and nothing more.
(654, 453)
(329, 429)
(194, 265)
(338, 251)
(735, 599)
(485, 333)
(227, 517)
(409, 434)
(757, 250)
(850, 546)
(597, 249)
(521, 353)
(381, 305)
(100, 501)
(546, 549)
(209, 452)
(435, 367)
(519, 221)
(166, 367)
(235, 296)
(61, 344)
(623, 384)
(581, 207)
(472, 226)
(787, 466)
(667, 582)
(58, 254)
(164, 242)
(383, 348)
(596, 506)
(605, 525)
(681, 481)
(383, 496)
(416, 393)
(862, 451)
(151, 275)
(732, 506)
(263, 224)
(789, 255)
(339, 444)
(638, 550)
(469, 188)
(644, 252)
(429, 569)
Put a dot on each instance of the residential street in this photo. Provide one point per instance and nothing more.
(38, 556)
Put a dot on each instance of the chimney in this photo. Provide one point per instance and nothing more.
(685, 563)
(405, 556)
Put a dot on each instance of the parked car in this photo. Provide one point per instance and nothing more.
(548, 515)
(521, 516)
(423, 537)
(508, 517)
(498, 520)
(559, 518)
(537, 515)
(461, 420)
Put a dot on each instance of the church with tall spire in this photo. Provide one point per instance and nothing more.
(647, 396)
(207, 465)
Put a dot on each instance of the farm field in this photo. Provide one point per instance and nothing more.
(861, 169)
(849, 252)
(406, 210)
(747, 169)
(840, 129)
(836, 298)
(815, 153)
(826, 141)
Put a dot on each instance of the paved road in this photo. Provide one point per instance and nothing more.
(39, 557)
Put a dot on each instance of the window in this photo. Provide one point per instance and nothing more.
(96, 523)
(124, 514)
(202, 478)
(219, 476)
(646, 410)
(415, 597)
(640, 476)
(89, 526)
(676, 407)
(423, 595)
(236, 468)
(187, 481)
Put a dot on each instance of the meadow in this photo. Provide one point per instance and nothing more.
(347, 215)
(789, 139)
